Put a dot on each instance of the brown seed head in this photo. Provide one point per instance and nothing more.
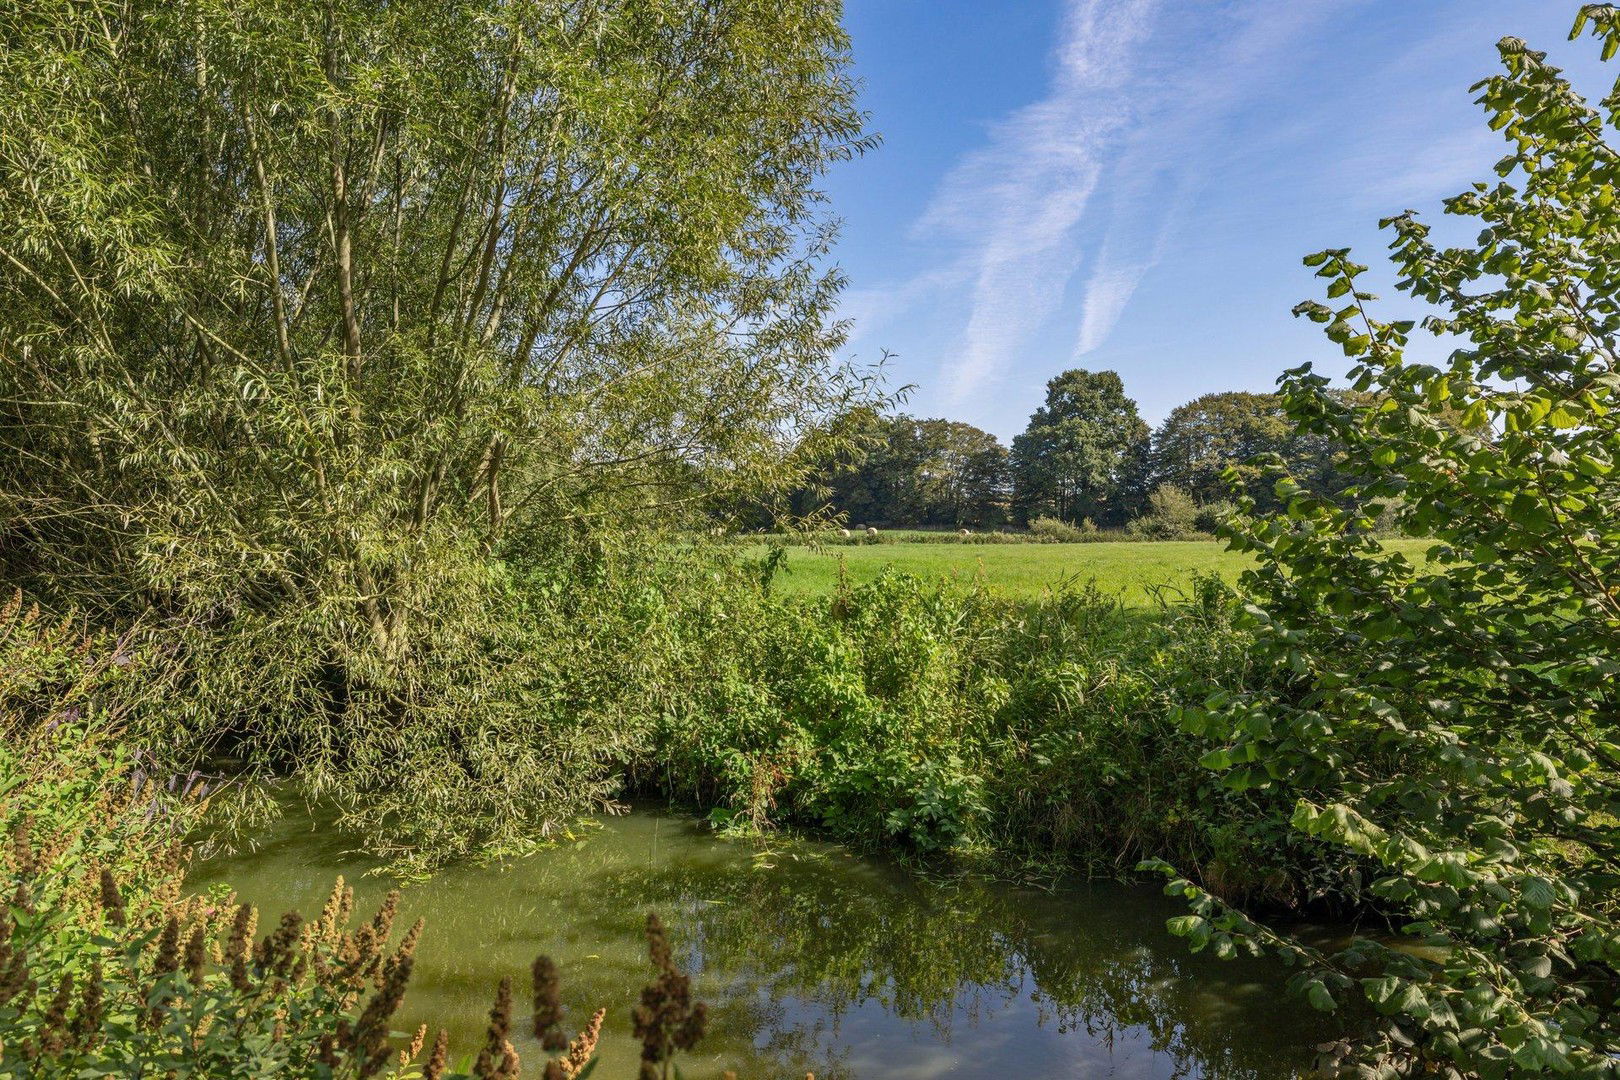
(328, 924)
(13, 962)
(236, 950)
(196, 955)
(657, 942)
(53, 1025)
(409, 1054)
(492, 1057)
(439, 1060)
(547, 1004)
(583, 1048)
(164, 964)
(383, 922)
(280, 948)
(368, 1045)
(87, 1024)
(22, 852)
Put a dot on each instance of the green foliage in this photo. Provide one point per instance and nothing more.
(333, 330)
(1171, 514)
(1081, 451)
(1058, 531)
(1213, 442)
(898, 714)
(913, 472)
(900, 470)
(1446, 730)
(1209, 517)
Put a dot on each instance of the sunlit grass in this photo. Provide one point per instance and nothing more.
(1133, 571)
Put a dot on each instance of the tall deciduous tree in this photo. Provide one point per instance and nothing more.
(1199, 441)
(1082, 446)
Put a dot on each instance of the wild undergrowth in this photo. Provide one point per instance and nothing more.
(111, 966)
(934, 720)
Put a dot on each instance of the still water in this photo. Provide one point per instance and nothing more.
(812, 959)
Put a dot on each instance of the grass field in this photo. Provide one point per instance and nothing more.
(1133, 571)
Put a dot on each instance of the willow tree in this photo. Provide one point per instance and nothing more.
(319, 317)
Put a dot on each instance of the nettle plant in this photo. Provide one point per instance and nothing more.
(1447, 726)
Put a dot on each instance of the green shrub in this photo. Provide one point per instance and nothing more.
(908, 715)
(519, 725)
(1210, 516)
(1445, 731)
(1171, 515)
(1056, 530)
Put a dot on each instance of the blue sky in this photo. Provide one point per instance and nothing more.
(1130, 184)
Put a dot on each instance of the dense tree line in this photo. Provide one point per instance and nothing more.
(899, 469)
(1087, 455)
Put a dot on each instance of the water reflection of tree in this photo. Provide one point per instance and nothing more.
(789, 955)
(837, 935)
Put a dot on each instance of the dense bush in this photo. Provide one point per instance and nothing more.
(109, 967)
(1171, 514)
(1056, 530)
(519, 720)
(1446, 730)
(900, 714)
(1210, 516)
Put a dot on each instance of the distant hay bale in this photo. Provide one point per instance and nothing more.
(870, 531)
(967, 532)
(844, 533)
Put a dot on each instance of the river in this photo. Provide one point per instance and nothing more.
(813, 959)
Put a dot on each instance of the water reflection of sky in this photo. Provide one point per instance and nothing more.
(1001, 1031)
(812, 959)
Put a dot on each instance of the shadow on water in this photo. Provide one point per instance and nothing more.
(814, 959)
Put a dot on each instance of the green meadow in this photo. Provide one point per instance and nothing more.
(1137, 572)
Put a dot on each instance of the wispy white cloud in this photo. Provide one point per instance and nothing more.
(1071, 199)
(1015, 203)
(1160, 168)
(871, 308)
